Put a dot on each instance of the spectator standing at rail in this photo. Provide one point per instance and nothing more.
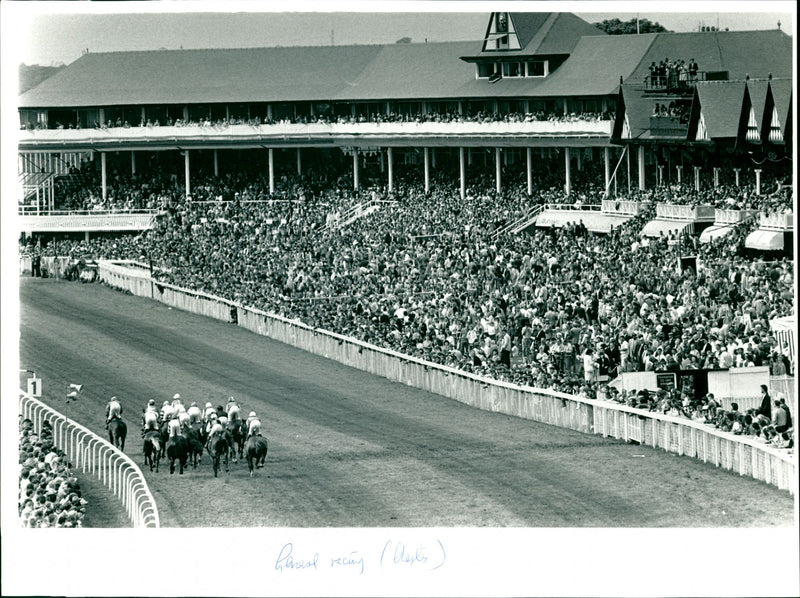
(113, 410)
(780, 419)
(766, 403)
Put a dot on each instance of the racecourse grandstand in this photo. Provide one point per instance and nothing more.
(548, 205)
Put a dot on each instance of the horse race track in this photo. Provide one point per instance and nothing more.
(350, 449)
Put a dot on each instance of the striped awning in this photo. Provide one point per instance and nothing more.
(657, 228)
(784, 331)
(765, 240)
(714, 232)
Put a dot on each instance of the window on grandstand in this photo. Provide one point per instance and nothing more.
(536, 68)
(512, 69)
(486, 69)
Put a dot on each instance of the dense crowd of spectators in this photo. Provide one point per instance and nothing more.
(770, 423)
(481, 116)
(426, 276)
(49, 493)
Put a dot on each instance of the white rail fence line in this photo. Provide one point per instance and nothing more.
(673, 434)
(96, 456)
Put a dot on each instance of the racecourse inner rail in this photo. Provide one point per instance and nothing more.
(673, 434)
(95, 455)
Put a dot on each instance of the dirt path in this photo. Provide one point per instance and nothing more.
(350, 449)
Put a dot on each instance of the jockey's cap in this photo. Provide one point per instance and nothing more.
(114, 399)
(151, 402)
(209, 405)
(252, 414)
(165, 403)
(177, 396)
(194, 404)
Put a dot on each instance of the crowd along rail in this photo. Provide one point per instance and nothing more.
(93, 455)
(677, 435)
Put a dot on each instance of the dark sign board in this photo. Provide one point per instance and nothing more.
(666, 380)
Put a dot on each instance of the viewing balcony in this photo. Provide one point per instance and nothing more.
(777, 222)
(79, 221)
(729, 217)
(527, 133)
(665, 211)
(622, 208)
(668, 126)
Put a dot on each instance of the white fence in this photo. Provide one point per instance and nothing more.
(94, 455)
(681, 436)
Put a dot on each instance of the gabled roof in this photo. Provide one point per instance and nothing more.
(757, 89)
(741, 53)
(721, 107)
(638, 109)
(782, 96)
(596, 65)
(544, 34)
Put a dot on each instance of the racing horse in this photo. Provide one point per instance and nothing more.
(152, 449)
(117, 432)
(256, 451)
(163, 430)
(195, 445)
(219, 447)
(238, 431)
(177, 448)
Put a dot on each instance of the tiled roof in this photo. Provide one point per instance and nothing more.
(757, 89)
(596, 65)
(721, 106)
(741, 53)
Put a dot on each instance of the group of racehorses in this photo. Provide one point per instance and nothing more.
(188, 446)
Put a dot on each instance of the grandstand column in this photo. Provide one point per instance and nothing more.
(607, 167)
(271, 160)
(355, 165)
(186, 163)
(640, 161)
(102, 116)
(579, 159)
(736, 171)
(716, 177)
(462, 172)
(299, 163)
(390, 159)
(660, 174)
(133, 162)
(680, 172)
(216, 163)
(758, 181)
(427, 164)
(697, 178)
(529, 171)
(103, 176)
(497, 169)
(433, 157)
(567, 165)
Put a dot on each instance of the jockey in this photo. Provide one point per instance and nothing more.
(113, 410)
(232, 409)
(166, 411)
(253, 425)
(184, 418)
(174, 428)
(214, 433)
(176, 402)
(212, 421)
(194, 412)
(150, 417)
(208, 411)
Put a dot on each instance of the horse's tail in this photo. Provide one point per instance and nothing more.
(156, 442)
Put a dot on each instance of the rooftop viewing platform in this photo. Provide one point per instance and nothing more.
(323, 133)
(680, 81)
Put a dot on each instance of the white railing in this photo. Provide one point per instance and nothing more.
(681, 436)
(732, 216)
(96, 456)
(681, 212)
(611, 206)
(777, 221)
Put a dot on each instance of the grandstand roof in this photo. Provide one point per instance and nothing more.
(757, 88)
(638, 109)
(402, 71)
(739, 52)
(782, 96)
(721, 106)
(596, 64)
